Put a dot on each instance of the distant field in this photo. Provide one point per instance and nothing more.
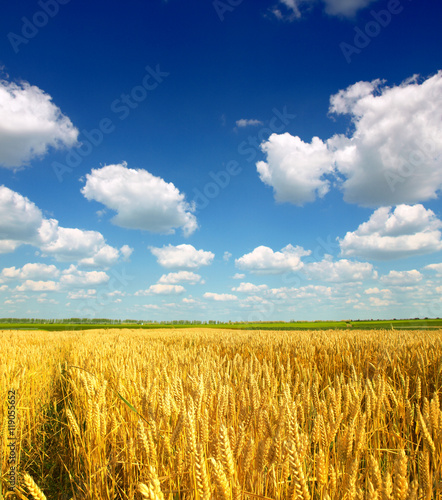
(314, 325)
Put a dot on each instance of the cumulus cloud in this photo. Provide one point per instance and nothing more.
(402, 277)
(161, 289)
(141, 200)
(30, 272)
(305, 292)
(22, 222)
(30, 125)
(180, 277)
(263, 260)
(220, 297)
(375, 291)
(403, 232)
(394, 154)
(38, 286)
(238, 276)
(182, 256)
(435, 267)
(340, 271)
(73, 277)
(296, 170)
(249, 288)
(82, 294)
(391, 155)
(126, 251)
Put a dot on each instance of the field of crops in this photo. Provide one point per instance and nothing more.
(222, 414)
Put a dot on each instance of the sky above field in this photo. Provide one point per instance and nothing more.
(221, 159)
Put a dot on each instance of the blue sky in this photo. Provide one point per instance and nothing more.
(222, 160)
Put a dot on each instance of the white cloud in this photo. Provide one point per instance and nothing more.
(304, 292)
(126, 251)
(394, 154)
(402, 277)
(182, 256)
(238, 276)
(220, 297)
(226, 256)
(22, 222)
(86, 247)
(161, 289)
(248, 123)
(3, 288)
(82, 294)
(180, 277)
(249, 288)
(72, 277)
(30, 124)
(346, 8)
(378, 302)
(435, 267)
(31, 271)
(340, 271)
(187, 300)
(288, 10)
(38, 286)
(295, 169)
(407, 231)
(141, 200)
(263, 260)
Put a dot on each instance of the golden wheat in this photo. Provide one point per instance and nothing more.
(201, 414)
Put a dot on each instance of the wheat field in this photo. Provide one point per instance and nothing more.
(210, 414)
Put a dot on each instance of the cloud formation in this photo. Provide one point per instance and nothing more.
(141, 200)
(161, 289)
(392, 154)
(263, 260)
(340, 271)
(30, 124)
(403, 232)
(402, 277)
(180, 277)
(220, 297)
(22, 222)
(182, 256)
(296, 170)
(289, 10)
